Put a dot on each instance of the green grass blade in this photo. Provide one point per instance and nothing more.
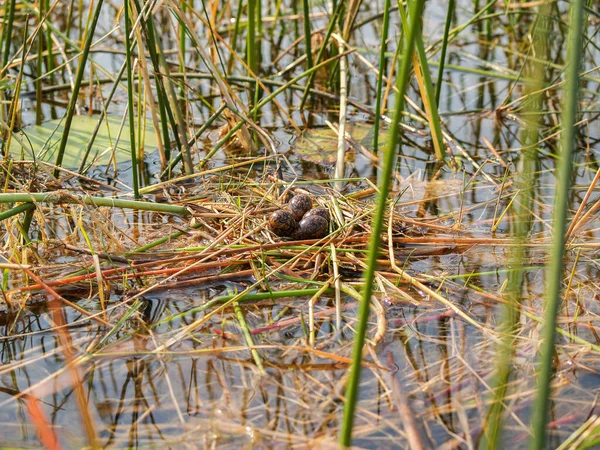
(555, 271)
(415, 10)
(384, 35)
(77, 85)
(438, 86)
(130, 88)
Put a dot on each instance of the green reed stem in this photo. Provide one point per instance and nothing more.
(235, 34)
(130, 88)
(521, 227)
(251, 36)
(49, 46)
(311, 77)
(197, 135)
(58, 198)
(246, 298)
(427, 95)
(382, 65)
(166, 115)
(307, 34)
(415, 11)
(265, 101)
(555, 272)
(40, 69)
(16, 210)
(8, 24)
(101, 119)
(438, 87)
(76, 86)
(248, 337)
(182, 41)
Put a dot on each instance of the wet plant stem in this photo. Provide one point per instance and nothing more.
(16, 210)
(415, 10)
(77, 85)
(307, 34)
(438, 86)
(7, 36)
(130, 89)
(322, 50)
(555, 272)
(248, 337)
(57, 198)
(382, 60)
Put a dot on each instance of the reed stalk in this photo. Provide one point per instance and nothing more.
(40, 67)
(77, 85)
(521, 227)
(440, 76)
(307, 34)
(382, 65)
(9, 19)
(554, 275)
(415, 11)
(251, 36)
(16, 210)
(423, 76)
(165, 113)
(58, 198)
(332, 24)
(130, 111)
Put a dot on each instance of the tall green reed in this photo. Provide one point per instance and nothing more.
(251, 36)
(415, 11)
(130, 89)
(322, 51)
(563, 180)
(307, 34)
(438, 86)
(9, 19)
(423, 76)
(76, 86)
(382, 65)
(39, 69)
(520, 227)
(165, 113)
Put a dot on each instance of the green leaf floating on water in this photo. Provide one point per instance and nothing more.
(41, 142)
(319, 145)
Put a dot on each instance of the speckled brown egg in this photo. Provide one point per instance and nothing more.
(319, 211)
(300, 205)
(282, 223)
(312, 227)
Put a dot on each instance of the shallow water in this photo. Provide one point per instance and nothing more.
(204, 390)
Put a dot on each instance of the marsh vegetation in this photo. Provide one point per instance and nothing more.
(150, 149)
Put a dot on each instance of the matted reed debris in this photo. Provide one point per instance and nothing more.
(225, 236)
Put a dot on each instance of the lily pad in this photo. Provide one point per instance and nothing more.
(41, 142)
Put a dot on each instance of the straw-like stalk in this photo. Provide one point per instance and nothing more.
(415, 10)
(77, 85)
(563, 180)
